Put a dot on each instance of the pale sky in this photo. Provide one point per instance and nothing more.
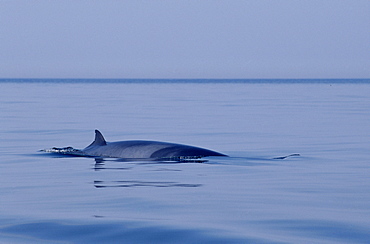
(185, 39)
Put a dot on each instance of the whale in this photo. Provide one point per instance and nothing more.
(136, 149)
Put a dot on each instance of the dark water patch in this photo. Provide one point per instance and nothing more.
(322, 229)
(133, 183)
(107, 232)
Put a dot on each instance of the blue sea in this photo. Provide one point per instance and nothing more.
(320, 196)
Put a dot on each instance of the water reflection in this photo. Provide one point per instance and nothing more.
(134, 183)
(100, 164)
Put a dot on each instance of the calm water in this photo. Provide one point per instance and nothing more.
(323, 196)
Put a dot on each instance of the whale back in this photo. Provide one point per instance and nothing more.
(143, 149)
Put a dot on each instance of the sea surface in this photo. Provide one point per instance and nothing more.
(321, 196)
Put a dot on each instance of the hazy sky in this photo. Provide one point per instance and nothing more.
(185, 39)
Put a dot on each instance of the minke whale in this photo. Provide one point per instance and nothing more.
(136, 149)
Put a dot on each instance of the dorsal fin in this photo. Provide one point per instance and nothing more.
(99, 139)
